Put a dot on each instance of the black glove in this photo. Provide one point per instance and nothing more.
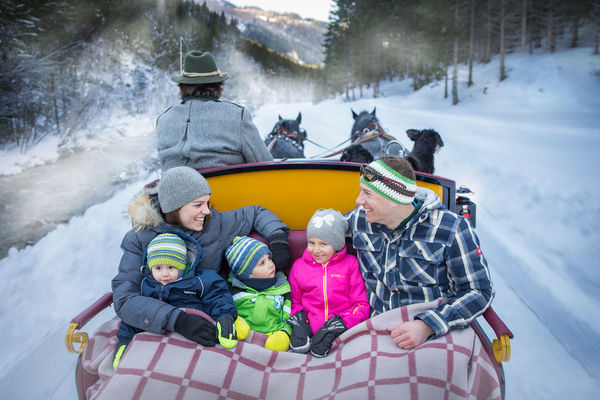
(301, 332)
(280, 250)
(324, 337)
(196, 328)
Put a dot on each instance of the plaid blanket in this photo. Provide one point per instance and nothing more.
(363, 363)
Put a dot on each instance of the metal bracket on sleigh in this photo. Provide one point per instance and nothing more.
(72, 336)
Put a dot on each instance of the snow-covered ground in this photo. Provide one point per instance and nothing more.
(528, 149)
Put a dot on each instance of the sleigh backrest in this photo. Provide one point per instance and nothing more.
(294, 190)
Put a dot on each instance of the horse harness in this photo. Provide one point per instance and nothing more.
(367, 134)
(279, 132)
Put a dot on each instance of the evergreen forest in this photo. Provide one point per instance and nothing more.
(424, 40)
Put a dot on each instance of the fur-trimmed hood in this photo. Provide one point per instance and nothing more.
(144, 211)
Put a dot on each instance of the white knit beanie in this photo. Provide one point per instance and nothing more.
(329, 226)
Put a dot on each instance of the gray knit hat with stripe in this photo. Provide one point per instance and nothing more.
(180, 185)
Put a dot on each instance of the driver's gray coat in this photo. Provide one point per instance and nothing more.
(203, 132)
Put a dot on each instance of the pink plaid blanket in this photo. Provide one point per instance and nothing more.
(364, 363)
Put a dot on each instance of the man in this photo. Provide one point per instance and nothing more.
(203, 131)
(412, 249)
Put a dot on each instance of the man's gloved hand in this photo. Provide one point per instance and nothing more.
(324, 337)
(226, 332)
(301, 332)
(280, 249)
(278, 341)
(196, 328)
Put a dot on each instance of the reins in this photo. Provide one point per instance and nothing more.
(279, 132)
(365, 136)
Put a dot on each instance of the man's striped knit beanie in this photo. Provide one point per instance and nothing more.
(244, 253)
(390, 183)
(167, 248)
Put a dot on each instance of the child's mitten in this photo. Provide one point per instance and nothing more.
(226, 332)
(241, 328)
(324, 337)
(278, 341)
(301, 332)
(118, 354)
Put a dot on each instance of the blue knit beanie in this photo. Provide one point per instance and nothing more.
(167, 248)
(243, 255)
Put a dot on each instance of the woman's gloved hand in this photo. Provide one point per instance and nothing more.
(280, 249)
(196, 328)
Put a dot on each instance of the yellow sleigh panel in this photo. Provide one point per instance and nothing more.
(293, 191)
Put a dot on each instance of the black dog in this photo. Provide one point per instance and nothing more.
(427, 142)
(357, 153)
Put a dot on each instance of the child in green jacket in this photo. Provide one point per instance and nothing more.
(260, 293)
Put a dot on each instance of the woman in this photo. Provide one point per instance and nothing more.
(184, 196)
(203, 131)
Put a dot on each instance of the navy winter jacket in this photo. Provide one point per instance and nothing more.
(204, 290)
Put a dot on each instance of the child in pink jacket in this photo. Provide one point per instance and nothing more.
(328, 290)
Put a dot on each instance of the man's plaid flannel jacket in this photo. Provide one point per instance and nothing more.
(436, 255)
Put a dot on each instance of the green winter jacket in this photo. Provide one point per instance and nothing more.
(264, 311)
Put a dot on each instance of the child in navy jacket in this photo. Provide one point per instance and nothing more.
(170, 278)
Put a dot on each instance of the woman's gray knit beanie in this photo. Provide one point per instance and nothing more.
(180, 185)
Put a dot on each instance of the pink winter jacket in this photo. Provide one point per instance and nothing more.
(323, 290)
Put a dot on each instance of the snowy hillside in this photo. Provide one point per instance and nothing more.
(528, 149)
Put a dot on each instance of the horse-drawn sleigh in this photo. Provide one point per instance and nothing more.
(363, 363)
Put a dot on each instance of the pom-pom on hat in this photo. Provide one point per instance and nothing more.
(244, 253)
(180, 185)
(330, 226)
(167, 248)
